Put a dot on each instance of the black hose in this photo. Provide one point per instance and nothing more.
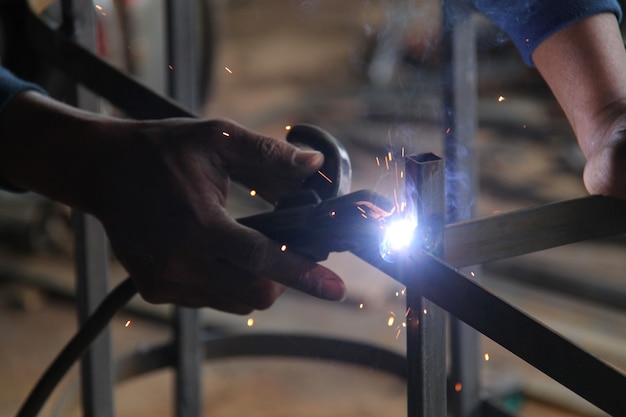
(76, 347)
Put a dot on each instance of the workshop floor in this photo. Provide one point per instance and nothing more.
(281, 62)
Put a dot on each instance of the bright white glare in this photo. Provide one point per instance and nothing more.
(398, 236)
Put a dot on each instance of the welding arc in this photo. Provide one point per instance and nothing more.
(116, 299)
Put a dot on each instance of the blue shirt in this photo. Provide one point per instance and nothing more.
(10, 86)
(529, 22)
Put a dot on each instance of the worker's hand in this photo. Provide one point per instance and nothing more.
(162, 203)
(605, 170)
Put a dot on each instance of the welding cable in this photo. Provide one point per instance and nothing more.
(97, 321)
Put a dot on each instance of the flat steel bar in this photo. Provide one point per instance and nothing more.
(84, 67)
(460, 119)
(425, 322)
(552, 354)
(533, 229)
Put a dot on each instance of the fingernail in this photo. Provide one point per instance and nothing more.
(332, 288)
(308, 158)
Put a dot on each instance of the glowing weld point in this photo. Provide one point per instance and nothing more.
(398, 236)
(228, 70)
(283, 248)
(325, 177)
(127, 324)
(250, 322)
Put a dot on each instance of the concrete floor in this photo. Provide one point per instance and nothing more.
(306, 61)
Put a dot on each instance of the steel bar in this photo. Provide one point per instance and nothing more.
(533, 229)
(460, 117)
(425, 322)
(557, 357)
(84, 67)
(91, 288)
(91, 257)
(181, 22)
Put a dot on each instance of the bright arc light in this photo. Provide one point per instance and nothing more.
(398, 236)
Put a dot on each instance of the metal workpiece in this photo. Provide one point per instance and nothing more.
(533, 229)
(425, 330)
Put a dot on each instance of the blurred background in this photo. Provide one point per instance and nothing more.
(369, 72)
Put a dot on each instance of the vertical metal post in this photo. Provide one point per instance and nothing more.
(426, 340)
(181, 52)
(90, 247)
(459, 126)
(91, 288)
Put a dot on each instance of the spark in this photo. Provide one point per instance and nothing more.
(228, 70)
(252, 193)
(288, 127)
(425, 311)
(171, 67)
(389, 156)
(397, 293)
(497, 211)
(127, 324)
(226, 134)
(390, 321)
(458, 387)
(99, 7)
(387, 163)
(472, 274)
(324, 176)
(486, 356)
(527, 40)
(447, 131)
(401, 174)
(407, 312)
(361, 305)
(333, 213)
(377, 161)
(250, 322)
(283, 248)
(361, 209)
(403, 291)
(501, 99)
(403, 151)
(523, 126)
(398, 331)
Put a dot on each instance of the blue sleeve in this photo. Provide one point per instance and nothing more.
(529, 22)
(10, 86)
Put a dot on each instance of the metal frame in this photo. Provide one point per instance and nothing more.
(426, 275)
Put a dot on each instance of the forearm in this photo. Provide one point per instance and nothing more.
(53, 149)
(584, 65)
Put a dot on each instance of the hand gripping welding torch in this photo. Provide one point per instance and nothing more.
(318, 219)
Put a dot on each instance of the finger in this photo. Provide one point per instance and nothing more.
(269, 165)
(262, 257)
